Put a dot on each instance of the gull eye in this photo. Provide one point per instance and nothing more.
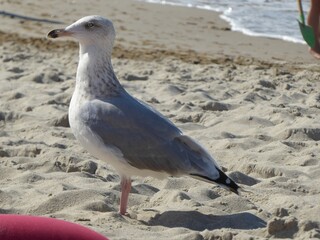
(89, 25)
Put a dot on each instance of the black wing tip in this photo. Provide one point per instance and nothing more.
(235, 189)
(227, 182)
(223, 180)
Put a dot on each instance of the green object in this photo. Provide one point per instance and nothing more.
(306, 31)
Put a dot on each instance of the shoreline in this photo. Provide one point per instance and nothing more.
(198, 30)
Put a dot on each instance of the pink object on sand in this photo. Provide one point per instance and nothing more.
(21, 227)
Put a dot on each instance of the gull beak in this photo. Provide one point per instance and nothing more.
(59, 33)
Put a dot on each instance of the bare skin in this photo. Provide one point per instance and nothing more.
(313, 21)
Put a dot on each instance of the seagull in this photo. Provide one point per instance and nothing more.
(121, 130)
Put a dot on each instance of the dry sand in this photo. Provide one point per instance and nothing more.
(253, 102)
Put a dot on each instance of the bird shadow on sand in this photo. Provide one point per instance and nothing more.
(198, 221)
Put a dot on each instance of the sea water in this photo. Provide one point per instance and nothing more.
(267, 18)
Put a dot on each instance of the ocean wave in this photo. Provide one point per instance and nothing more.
(252, 17)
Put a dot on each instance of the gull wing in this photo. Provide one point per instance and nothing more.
(146, 139)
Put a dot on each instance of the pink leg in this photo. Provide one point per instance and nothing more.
(125, 190)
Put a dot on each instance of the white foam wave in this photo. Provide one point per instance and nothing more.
(235, 27)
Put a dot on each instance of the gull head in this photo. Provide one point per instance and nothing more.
(90, 30)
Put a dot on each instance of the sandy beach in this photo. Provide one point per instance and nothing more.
(253, 102)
